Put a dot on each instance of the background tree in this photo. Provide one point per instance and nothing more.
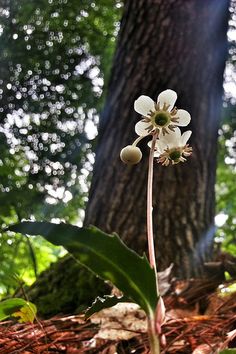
(164, 45)
(167, 51)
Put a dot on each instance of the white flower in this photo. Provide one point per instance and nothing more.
(172, 148)
(161, 116)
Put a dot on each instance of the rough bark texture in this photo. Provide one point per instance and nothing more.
(173, 44)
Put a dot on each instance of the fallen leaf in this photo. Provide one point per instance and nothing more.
(164, 280)
(120, 322)
(203, 349)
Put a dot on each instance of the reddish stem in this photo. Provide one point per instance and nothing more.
(151, 249)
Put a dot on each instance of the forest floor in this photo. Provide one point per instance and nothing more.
(200, 319)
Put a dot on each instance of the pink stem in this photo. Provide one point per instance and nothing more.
(151, 249)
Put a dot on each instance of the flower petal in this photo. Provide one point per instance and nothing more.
(159, 147)
(143, 105)
(158, 152)
(184, 138)
(172, 139)
(141, 128)
(184, 117)
(168, 97)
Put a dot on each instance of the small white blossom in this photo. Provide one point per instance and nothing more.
(161, 116)
(172, 148)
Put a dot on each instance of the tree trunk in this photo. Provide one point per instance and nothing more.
(163, 44)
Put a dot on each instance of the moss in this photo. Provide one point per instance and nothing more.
(66, 287)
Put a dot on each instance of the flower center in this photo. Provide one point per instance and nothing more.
(175, 155)
(161, 119)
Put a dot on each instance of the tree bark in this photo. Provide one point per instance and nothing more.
(180, 45)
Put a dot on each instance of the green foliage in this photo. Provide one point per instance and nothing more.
(228, 351)
(55, 57)
(105, 255)
(54, 63)
(226, 176)
(18, 266)
(226, 168)
(17, 307)
(101, 303)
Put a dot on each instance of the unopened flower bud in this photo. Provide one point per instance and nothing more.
(160, 314)
(131, 155)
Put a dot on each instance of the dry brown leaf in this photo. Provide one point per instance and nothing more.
(230, 336)
(203, 349)
(120, 322)
(164, 280)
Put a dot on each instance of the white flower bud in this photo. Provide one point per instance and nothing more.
(131, 155)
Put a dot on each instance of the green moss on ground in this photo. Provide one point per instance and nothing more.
(66, 288)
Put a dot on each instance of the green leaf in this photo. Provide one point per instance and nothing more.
(101, 303)
(228, 351)
(105, 255)
(15, 307)
(27, 313)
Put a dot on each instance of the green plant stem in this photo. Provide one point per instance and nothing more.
(151, 248)
(153, 337)
(138, 140)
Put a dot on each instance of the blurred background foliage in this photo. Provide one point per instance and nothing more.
(226, 171)
(55, 61)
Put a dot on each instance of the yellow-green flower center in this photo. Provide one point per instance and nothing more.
(175, 155)
(161, 119)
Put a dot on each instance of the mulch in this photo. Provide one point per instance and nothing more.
(199, 321)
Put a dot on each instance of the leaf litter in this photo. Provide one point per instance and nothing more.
(200, 320)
